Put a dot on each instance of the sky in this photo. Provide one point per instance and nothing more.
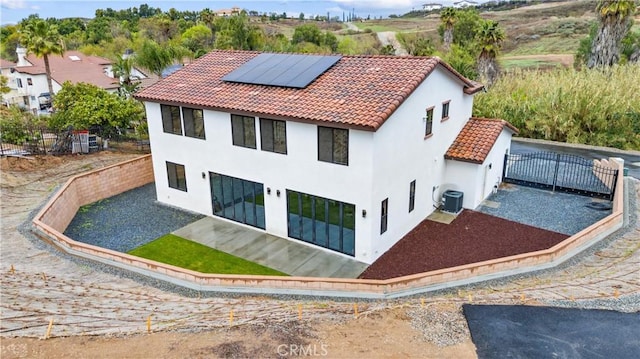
(12, 11)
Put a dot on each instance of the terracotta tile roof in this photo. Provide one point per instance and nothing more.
(476, 139)
(5, 64)
(89, 69)
(358, 91)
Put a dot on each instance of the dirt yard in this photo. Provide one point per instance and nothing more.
(94, 313)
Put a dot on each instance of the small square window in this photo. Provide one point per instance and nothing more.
(171, 122)
(29, 81)
(243, 131)
(176, 176)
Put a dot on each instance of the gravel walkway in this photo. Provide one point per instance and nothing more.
(127, 221)
(554, 211)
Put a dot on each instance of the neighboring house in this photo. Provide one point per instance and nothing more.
(6, 70)
(347, 153)
(228, 12)
(431, 7)
(30, 78)
(464, 3)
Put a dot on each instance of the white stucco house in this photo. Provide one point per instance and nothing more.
(464, 3)
(347, 153)
(29, 78)
(431, 6)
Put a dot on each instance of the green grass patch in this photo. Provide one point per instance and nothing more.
(180, 252)
(527, 64)
(547, 45)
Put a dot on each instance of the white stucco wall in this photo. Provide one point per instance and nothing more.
(381, 164)
(33, 91)
(477, 180)
(298, 170)
(403, 154)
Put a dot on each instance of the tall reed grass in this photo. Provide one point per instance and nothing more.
(596, 107)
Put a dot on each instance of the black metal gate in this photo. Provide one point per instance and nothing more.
(560, 172)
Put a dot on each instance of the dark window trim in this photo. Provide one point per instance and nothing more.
(19, 82)
(272, 123)
(244, 134)
(29, 81)
(445, 110)
(428, 120)
(187, 133)
(384, 215)
(333, 145)
(172, 172)
(412, 195)
(165, 122)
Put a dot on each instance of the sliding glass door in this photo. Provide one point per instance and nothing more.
(237, 199)
(321, 221)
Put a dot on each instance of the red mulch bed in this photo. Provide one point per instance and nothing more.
(472, 237)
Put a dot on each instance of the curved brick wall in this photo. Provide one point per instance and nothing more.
(86, 188)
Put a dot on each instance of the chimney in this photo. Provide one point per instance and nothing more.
(22, 57)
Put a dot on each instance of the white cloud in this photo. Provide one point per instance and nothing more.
(13, 4)
(34, 7)
(380, 4)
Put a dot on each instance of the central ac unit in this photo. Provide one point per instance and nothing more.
(452, 201)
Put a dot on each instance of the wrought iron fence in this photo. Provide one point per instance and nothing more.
(560, 172)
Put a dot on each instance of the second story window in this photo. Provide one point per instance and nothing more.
(428, 122)
(193, 122)
(243, 131)
(171, 119)
(29, 81)
(273, 135)
(412, 195)
(445, 110)
(19, 83)
(333, 145)
(384, 215)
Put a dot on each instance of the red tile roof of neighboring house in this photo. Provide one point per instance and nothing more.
(5, 64)
(89, 69)
(358, 91)
(476, 139)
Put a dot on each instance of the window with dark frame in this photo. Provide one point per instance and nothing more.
(193, 122)
(29, 81)
(445, 110)
(176, 176)
(273, 135)
(412, 195)
(384, 214)
(171, 122)
(243, 131)
(19, 82)
(429, 122)
(333, 145)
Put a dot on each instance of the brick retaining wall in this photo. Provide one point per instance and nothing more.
(99, 184)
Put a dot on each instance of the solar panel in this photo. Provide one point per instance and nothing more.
(285, 70)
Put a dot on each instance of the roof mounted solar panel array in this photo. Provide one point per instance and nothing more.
(285, 70)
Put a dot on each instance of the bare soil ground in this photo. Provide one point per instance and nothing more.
(97, 314)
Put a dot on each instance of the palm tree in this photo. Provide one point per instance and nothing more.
(122, 68)
(490, 37)
(42, 39)
(155, 57)
(448, 18)
(615, 20)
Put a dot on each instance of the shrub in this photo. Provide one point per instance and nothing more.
(596, 107)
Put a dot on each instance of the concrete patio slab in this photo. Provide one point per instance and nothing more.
(442, 217)
(288, 256)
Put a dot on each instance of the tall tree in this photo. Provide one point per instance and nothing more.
(490, 37)
(615, 18)
(42, 39)
(448, 18)
(156, 58)
(122, 68)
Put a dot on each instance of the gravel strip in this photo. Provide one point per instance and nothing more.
(440, 326)
(554, 211)
(127, 221)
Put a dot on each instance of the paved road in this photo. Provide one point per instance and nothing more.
(631, 158)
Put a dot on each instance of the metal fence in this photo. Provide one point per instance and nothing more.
(560, 172)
